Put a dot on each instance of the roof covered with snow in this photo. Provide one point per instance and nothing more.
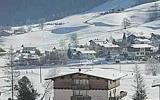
(85, 51)
(143, 40)
(141, 46)
(156, 83)
(108, 45)
(97, 72)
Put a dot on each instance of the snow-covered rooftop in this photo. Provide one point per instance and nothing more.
(97, 72)
(108, 45)
(156, 83)
(143, 40)
(141, 46)
(85, 51)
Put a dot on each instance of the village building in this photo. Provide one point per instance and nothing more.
(21, 30)
(138, 51)
(27, 56)
(55, 56)
(83, 53)
(93, 84)
(104, 48)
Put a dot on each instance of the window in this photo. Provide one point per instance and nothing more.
(80, 92)
(137, 53)
(110, 82)
(81, 81)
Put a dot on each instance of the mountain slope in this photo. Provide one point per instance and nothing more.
(88, 26)
(17, 12)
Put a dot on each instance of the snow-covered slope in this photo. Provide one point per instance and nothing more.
(89, 25)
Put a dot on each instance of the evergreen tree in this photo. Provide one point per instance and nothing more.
(26, 90)
(69, 53)
(139, 86)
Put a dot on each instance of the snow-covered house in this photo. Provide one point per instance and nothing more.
(140, 50)
(55, 56)
(104, 48)
(142, 41)
(95, 84)
(21, 30)
(27, 56)
(83, 53)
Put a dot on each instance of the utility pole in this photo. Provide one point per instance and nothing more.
(11, 65)
(40, 71)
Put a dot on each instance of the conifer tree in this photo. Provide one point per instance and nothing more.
(26, 90)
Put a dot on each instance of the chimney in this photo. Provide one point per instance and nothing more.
(79, 70)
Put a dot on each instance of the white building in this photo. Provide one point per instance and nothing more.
(140, 50)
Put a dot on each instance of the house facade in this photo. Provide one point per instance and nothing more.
(83, 53)
(140, 50)
(87, 86)
(105, 48)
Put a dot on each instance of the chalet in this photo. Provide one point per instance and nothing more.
(95, 84)
(140, 50)
(104, 48)
(83, 53)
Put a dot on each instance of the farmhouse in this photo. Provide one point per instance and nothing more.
(104, 48)
(95, 84)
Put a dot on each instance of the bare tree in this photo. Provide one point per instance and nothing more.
(48, 84)
(62, 44)
(74, 40)
(152, 66)
(125, 23)
(139, 85)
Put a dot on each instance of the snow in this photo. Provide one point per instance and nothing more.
(143, 40)
(106, 71)
(85, 51)
(108, 45)
(93, 26)
(88, 25)
(107, 74)
(141, 46)
(156, 83)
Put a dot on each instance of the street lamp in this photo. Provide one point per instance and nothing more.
(156, 83)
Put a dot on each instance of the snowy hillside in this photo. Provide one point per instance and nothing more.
(90, 25)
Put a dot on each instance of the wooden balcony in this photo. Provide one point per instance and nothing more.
(80, 97)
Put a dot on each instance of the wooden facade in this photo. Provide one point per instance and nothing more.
(82, 81)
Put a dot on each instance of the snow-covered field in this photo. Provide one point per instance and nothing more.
(89, 25)
(126, 82)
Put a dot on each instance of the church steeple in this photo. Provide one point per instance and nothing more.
(124, 41)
